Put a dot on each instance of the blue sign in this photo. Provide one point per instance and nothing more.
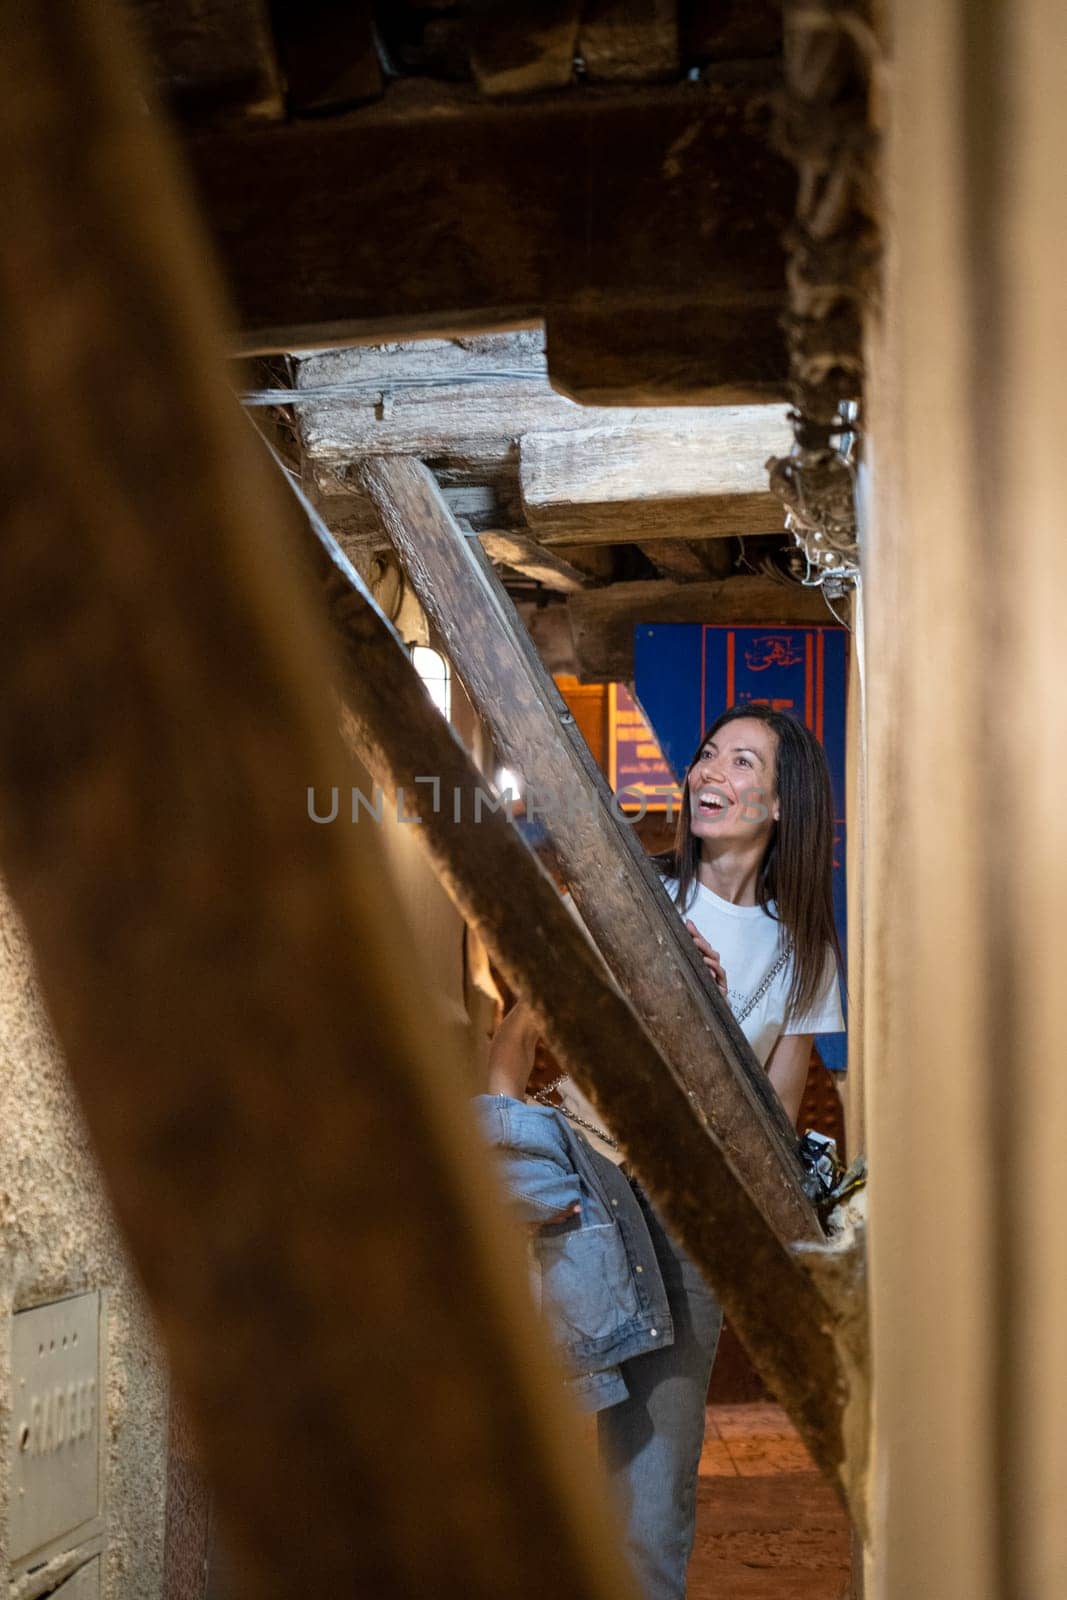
(686, 673)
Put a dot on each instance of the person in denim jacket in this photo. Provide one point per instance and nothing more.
(594, 1269)
(751, 875)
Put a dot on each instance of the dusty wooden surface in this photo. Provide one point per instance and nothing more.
(614, 886)
(540, 223)
(211, 58)
(523, 555)
(522, 46)
(329, 54)
(602, 620)
(673, 476)
(489, 871)
(629, 41)
(241, 1012)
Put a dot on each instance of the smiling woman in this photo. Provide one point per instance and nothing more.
(758, 832)
(751, 873)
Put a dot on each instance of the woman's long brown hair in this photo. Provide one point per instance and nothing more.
(797, 869)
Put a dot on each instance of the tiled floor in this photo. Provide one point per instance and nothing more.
(768, 1526)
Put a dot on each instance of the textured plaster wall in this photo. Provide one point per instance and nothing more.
(57, 1239)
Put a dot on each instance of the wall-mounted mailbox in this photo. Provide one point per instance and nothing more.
(55, 1440)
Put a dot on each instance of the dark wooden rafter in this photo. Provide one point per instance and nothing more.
(615, 887)
(531, 560)
(328, 52)
(602, 620)
(630, 41)
(276, 1113)
(634, 205)
(522, 46)
(489, 872)
(212, 58)
(690, 559)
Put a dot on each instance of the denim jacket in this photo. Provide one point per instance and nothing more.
(595, 1275)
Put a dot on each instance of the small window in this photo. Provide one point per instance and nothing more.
(436, 674)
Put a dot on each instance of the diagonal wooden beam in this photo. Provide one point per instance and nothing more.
(614, 885)
(488, 870)
(277, 1117)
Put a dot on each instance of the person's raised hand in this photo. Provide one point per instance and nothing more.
(710, 956)
(511, 1053)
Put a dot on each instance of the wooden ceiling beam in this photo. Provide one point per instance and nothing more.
(690, 559)
(523, 46)
(603, 620)
(211, 58)
(630, 41)
(665, 205)
(670, 475)
(531, 561)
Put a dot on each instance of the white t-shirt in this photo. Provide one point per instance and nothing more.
(748, 942)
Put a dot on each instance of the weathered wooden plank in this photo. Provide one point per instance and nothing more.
(645, 197)
(630, 41)
(614, 885)
(276, 1114)
(630, 351)
(329, 53)
(673, 475)
(522, 46)
(731, 30)
(603, 620)
(352, 515)
(533, 561)
(468, 400)
(212, 58)
(689, 559)
(544, 955)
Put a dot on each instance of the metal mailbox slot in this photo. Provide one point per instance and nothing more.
(55, 1475)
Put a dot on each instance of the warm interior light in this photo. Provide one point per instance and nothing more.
(506, 779)
(436, 674)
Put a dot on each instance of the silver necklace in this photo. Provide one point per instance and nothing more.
(757, 994)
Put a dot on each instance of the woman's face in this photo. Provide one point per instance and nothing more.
(733, 783)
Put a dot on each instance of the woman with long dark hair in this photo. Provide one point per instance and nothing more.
(751, 874)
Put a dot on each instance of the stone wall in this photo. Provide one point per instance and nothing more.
(57, 1240)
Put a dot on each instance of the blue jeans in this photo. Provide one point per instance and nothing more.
(650, 1443)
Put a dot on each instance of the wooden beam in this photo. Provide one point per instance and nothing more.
(277, 1115)
(629, 351)
(614, 885)
(668, 198)
(329, 53)
(603, 620)
(465, 400)
(689, 559)
(630, 41)
(464, 403)
(523, 46)
(211, 58)
(532, 561)
(732, 30)
(673, 475)
(488, 870)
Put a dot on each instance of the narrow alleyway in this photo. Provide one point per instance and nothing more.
(768, 1525)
